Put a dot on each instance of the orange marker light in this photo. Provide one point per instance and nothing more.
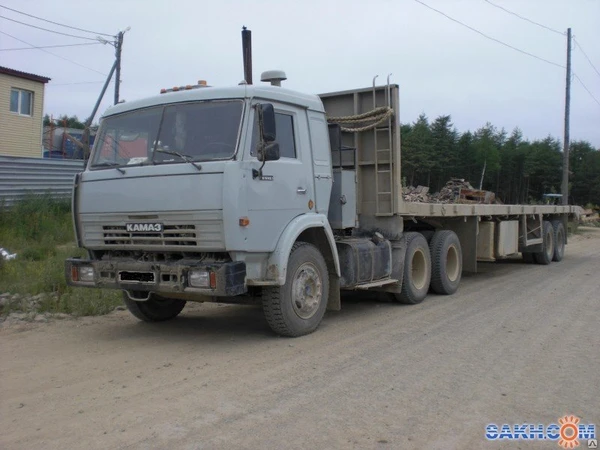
(213, 280)
(244, 221)
(163, 90)
(202, 82)
(175, 88)
(74, 273)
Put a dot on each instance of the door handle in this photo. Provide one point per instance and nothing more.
(301, 190)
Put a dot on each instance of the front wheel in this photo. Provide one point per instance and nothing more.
(155, 309)
(297, 307)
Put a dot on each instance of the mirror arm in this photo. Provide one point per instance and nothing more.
(258, 173)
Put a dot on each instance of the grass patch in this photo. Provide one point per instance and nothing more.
(39, 229)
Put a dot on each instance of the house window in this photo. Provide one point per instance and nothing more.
(21, 102)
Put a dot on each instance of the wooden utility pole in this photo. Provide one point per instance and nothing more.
(565, 175)
(118, 46)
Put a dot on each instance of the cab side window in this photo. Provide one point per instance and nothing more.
(285, 135)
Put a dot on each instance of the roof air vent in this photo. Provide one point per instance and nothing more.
(273, 76)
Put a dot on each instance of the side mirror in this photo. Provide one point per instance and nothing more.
(268, 152)
(266, 121)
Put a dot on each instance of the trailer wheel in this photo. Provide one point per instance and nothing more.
(155, 309)
(417, 270)
(559, 240)
(545, 256)
(446, 262)
(297, 307)
(528, 257)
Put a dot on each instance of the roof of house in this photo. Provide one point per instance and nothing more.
(25, 75)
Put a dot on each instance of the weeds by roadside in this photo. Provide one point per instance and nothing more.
(39, 229)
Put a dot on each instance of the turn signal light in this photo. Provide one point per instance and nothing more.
(244, 221)
(202, 82)
(213, 280)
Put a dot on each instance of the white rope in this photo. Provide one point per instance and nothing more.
(375, 116)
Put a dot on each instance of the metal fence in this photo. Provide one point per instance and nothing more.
(22, 176)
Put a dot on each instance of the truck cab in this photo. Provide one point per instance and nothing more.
(186, 197)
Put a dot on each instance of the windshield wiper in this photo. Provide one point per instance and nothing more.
(113, 164)
(186, 158)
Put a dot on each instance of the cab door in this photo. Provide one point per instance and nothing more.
(287, 185)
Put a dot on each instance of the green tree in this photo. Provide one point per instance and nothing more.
(417, 150)
(65, 121)
(584, 173)
(444, 155)
(487, 142)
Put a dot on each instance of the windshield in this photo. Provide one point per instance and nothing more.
(172, 133)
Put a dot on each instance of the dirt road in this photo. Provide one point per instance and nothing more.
(517, 344)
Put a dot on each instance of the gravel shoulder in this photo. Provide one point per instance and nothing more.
(517, 343)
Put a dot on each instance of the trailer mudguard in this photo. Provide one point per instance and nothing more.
(277, 263)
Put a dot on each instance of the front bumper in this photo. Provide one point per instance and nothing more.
(226, 279)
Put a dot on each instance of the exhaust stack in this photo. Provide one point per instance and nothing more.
(247, 54)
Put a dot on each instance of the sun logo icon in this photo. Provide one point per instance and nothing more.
(569, 433)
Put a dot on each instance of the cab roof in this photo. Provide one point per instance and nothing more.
(269, 93)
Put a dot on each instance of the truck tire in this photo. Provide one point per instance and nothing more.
(446, 262)
(545, 256)
(559, 240)
(155, 309)
(417, 270)
(297, 307)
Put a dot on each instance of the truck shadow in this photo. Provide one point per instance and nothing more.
(220, 323)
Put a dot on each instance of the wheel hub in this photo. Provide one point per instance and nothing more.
(307, 288)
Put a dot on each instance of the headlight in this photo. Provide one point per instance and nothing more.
(199, 278)
(83, 274)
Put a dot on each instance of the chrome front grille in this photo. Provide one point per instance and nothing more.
(180, 235)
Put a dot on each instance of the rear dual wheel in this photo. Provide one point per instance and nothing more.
(545, 256)
(437, 265)
(417, 270)
(559, 240)
(446, 262)
(553, 245)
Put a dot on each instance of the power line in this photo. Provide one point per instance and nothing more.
(46, 29)
(525, 18)
(53, 54)
(585, 87)
(586, 56)
(56, 23)
(48, 46)
(489, 37)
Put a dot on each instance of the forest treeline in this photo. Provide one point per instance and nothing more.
(516, 169)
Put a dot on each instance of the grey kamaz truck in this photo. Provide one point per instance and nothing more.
(257, 193)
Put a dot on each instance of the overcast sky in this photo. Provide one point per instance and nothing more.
(326, 45)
